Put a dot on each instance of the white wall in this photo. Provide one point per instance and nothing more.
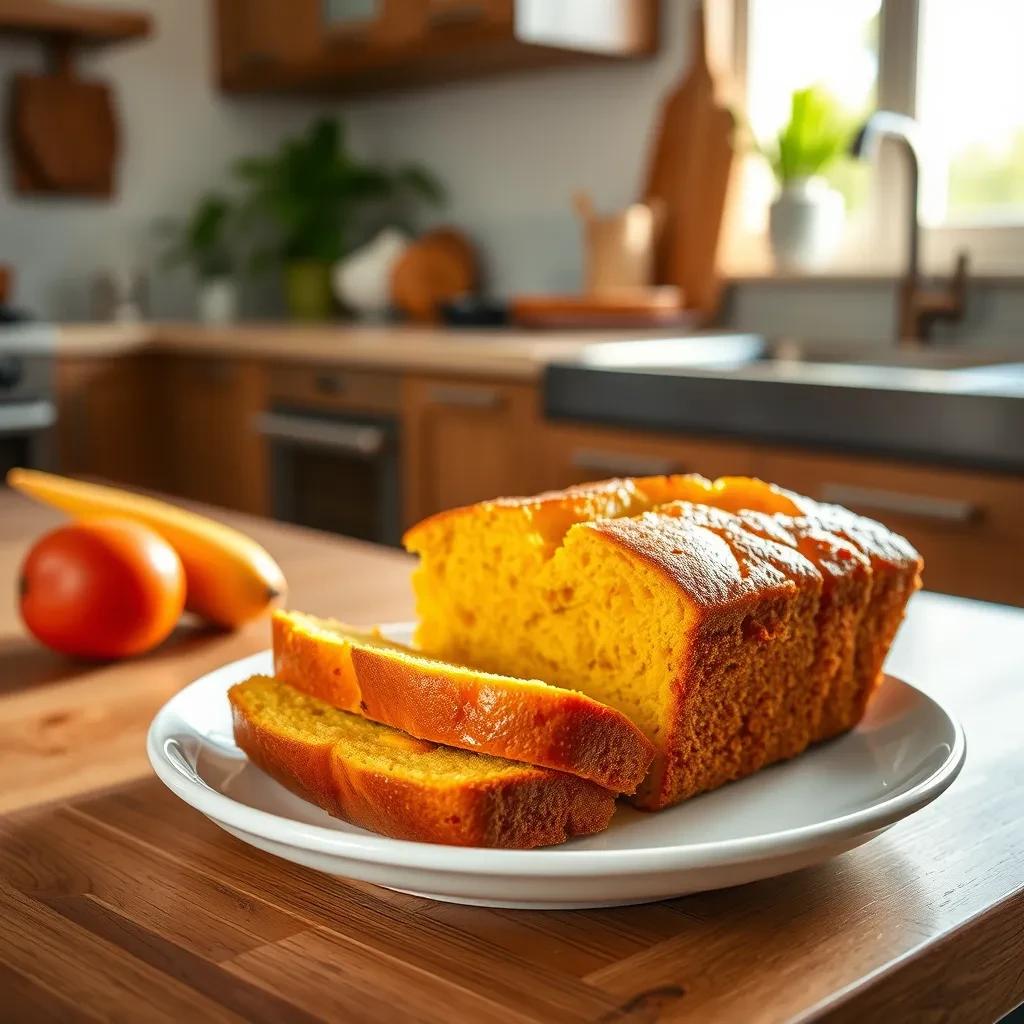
(513, 149)
(178, 136)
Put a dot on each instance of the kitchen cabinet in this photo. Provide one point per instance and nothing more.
(265, 40)
(574, 454)
(968, 525)
(209, 448)
(465, 441)
(344, 46)
(105, 425)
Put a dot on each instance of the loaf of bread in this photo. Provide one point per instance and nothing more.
(733, 621)
(389, 782)
(519, 719)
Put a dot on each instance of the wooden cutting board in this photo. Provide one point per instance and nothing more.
(64, 135)
(438, 267)
(689, 172)
(624, 307)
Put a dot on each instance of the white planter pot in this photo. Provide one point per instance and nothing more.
(806, 225)
(218, 301)
(362, 281)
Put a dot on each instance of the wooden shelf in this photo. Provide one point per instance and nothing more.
(73, 22)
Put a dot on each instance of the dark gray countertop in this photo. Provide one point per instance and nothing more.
(961, 406)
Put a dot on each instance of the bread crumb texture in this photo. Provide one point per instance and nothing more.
(389, 782)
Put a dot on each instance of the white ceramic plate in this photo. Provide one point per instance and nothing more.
(836, 796)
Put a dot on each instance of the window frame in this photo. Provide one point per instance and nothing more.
(994, 249)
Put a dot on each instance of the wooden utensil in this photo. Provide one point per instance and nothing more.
(689, 172)
(619, 249)
(438, 267)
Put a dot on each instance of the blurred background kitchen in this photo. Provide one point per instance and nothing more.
(350, 262)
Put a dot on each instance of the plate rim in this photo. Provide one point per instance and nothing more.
(550, 861)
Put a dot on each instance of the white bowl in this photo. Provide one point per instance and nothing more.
(838, 795)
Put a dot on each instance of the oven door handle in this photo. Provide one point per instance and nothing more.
(363, 441)
(27, 417)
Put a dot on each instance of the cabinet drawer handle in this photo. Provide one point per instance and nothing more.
(452, 16)
(28, 417)
(466, 398)
(593, 460)
(330, 384)
(919, 506)
(355, 439)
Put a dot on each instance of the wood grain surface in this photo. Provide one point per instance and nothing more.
(119, 902)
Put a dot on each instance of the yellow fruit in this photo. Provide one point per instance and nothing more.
(230, 578)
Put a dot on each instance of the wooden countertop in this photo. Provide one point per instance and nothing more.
(504, 352)
(118, 901)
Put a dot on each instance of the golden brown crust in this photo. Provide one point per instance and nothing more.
(519, 809)
(551, 512)
(459, 707)
(747, 599)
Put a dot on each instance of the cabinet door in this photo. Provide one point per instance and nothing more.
(442, 17)
(105, 422)
(968, 526)
(214, 452)
(467, 441)
(577, 454)
(259, 40)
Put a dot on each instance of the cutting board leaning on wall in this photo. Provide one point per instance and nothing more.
(689, 171)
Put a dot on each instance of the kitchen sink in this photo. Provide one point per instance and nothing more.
(962, 405)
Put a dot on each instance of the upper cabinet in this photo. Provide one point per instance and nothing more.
(347, 46)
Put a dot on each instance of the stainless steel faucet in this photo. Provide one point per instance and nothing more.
(919, 307)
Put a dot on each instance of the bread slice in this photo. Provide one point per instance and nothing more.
(520, 719)
(389, 782)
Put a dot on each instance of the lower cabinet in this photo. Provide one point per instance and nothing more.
(105, 425)
(968, 526)
(175, 424)
(465, 441)
(574, 454)
(210, 447)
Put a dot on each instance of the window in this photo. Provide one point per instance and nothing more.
(843, 59)
(970, 102)
(955, 66)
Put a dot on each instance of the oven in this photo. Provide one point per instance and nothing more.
(27, 409)
(334, 471)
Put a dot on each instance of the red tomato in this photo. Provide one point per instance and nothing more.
(102, 588)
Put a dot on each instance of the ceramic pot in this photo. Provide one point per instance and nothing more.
(362, 281)
(307, 286)
(218, 301)
(806, 225)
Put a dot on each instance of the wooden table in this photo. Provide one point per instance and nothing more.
(118, 901)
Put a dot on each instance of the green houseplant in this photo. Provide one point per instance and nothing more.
(311, 198)
(204, 242)
(806, 219)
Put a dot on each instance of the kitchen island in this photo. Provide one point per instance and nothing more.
(117, 900)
